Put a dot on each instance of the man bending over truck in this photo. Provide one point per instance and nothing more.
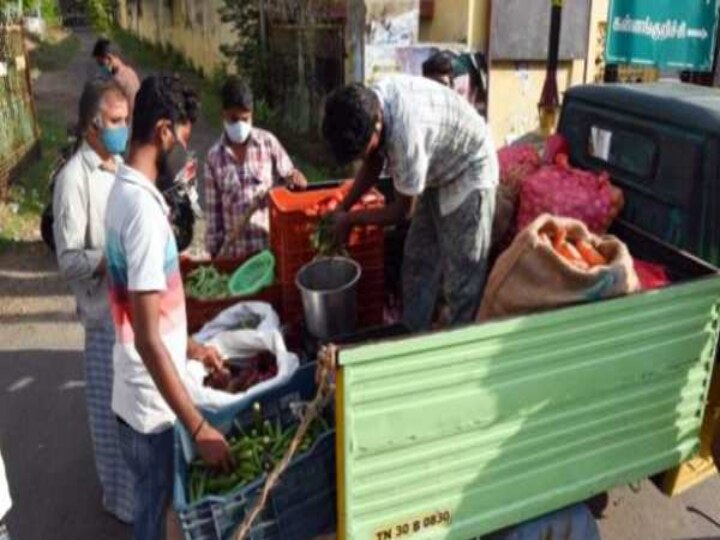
(441, 157)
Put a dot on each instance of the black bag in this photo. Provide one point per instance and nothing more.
(46, 222)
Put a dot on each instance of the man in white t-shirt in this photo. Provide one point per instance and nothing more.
(5, 502)
(148, 305)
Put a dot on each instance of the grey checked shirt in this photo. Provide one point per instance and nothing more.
(435, 139)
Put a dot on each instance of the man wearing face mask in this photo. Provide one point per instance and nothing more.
(80, 200)
(242, 166)
(111, 65)
(148, 306)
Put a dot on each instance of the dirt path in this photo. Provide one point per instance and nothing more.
(36, 308)
(60, 90)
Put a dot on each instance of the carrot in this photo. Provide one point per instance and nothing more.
(568, 252)
(589, 254)
(562, 161)
(559, 238)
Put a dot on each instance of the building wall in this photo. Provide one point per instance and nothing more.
(596, 49)
(191, 27)
(514, 88)
(514, 94)
(449, 22)
(194, 29)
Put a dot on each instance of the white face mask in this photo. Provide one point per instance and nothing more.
(238, 132)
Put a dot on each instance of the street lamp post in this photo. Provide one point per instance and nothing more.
(550, 100)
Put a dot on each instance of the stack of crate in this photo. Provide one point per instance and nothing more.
(293, 220)
(200, 312)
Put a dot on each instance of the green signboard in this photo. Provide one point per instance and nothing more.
(674, 34)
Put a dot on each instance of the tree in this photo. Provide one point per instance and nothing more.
(246, 52)
(101, 14)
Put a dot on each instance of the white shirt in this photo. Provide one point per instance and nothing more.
(80, 198)
(433, 138)
(5, 501)
(142, 256)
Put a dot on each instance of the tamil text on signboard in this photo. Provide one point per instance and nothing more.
(665, 33)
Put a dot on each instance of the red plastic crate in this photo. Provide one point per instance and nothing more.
(368, 298)
(369, 255)
(200, 312)
(292, 222)
(368, 316)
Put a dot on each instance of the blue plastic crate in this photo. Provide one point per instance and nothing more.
(302, 505)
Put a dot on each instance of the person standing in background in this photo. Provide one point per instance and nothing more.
(111, 65)
(239, 170)
(439, 68)
(79, 203)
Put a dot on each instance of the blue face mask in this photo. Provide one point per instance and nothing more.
(238, 132)
(114, 139)
(105, 70)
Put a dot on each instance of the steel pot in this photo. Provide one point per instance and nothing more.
(328, 288)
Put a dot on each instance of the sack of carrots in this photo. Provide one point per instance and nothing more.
(556, 262)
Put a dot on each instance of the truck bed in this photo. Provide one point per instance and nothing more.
(458, 433)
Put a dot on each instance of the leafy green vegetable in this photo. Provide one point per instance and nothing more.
(322, 240)
(206, 283)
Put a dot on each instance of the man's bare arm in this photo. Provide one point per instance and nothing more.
(211, 444)
(366, 178)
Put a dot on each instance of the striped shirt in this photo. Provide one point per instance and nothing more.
(231, 187)
(433, 138)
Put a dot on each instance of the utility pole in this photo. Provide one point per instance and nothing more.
(550, 99)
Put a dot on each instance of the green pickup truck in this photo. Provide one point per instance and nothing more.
(454, 434)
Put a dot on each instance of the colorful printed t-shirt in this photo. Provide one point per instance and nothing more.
(142, 256)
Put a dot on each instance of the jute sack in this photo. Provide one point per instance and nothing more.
(530, 276)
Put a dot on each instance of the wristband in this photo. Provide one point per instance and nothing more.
(197, 429)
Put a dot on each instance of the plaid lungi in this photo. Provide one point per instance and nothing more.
(115, 477)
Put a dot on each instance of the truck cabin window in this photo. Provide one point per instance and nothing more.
(629, 152)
